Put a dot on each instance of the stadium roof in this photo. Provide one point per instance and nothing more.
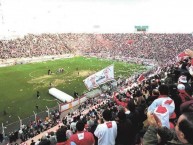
(19, 17)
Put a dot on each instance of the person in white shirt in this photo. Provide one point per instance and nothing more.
(107, 131)
(73, 125)
(37, 142)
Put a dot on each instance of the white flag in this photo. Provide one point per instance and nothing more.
(100, 77)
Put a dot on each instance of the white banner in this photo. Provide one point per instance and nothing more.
(100, 77)
(66, 106)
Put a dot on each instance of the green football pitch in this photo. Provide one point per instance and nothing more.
(19, 83)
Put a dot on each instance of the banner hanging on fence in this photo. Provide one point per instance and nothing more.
(101, 77)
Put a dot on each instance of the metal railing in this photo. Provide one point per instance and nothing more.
(15, 126)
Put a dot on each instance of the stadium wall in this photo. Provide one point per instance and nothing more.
(70, 105)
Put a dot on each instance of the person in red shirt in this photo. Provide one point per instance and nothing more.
(82, 137)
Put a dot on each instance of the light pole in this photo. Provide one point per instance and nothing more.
(20, 122)
(35, 114)
(3, 130)
(48, 111)
(59, 107)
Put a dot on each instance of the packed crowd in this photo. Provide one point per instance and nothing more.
(154, 110)
(33, 128)
(129, 45)
(158, 110)
(164, 99)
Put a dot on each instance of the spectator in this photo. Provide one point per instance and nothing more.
(1, 137)
(61, 136)
(37, 142)
(44, 141)
(151, 98)
(182, 134)
(107, 131)
(38, 94)
(91, 121)
(125, 135)
(73, 125)
(183, 94)
(68, 132)
(32, 142)
(187, 106)
(174, 94)
(183, 80)
(52, 138)
(133, 117)
(163, 99)
(82, 137)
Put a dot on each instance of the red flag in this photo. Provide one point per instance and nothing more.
(181, 56)
(141, 78)
(129, 41)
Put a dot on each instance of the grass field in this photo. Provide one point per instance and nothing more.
(19, 83)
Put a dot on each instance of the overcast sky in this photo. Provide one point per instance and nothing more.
(95, 16)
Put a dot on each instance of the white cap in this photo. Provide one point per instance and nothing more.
(181, 87)
(182, 79)
(191, 70)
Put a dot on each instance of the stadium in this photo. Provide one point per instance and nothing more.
(75, 69)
